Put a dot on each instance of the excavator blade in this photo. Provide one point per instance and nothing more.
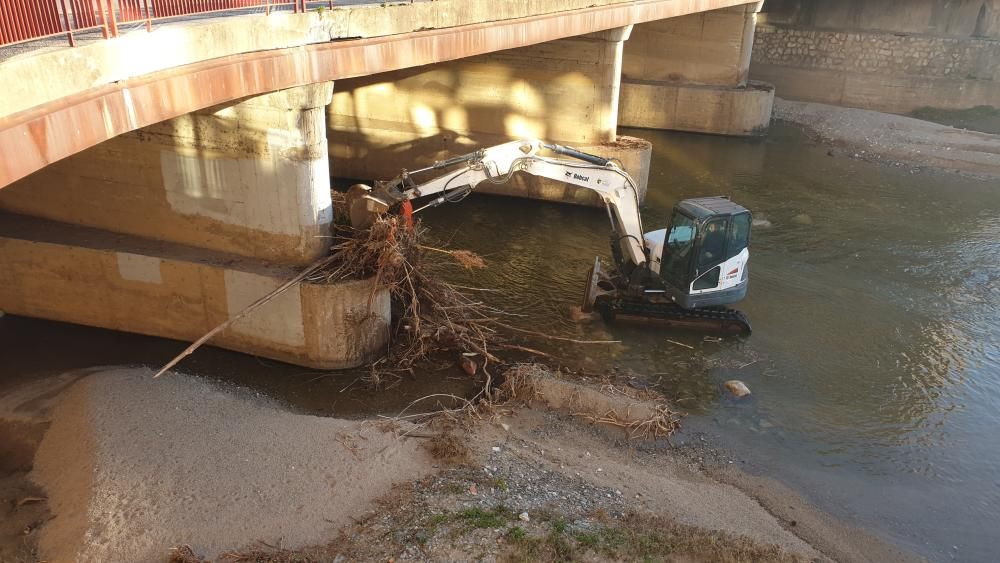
(598, 286)
(590, 289)
(362, 208)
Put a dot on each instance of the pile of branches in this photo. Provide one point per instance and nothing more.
(430, 315)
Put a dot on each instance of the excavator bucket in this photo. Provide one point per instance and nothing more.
(362, 208)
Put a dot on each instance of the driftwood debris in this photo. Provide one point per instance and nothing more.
(430, 316)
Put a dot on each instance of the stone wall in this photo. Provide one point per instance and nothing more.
(878, 53)
(942, 18)
(893, 72)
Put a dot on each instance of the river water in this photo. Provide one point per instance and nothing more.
(874, 362)
(875, 302)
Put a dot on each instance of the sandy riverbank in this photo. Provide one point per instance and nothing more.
(131, 467)
(896, 140)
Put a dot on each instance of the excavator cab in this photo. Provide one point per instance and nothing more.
(701, 258)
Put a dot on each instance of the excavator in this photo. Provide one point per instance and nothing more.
(683, 276)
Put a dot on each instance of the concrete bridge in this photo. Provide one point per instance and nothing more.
(160, 181)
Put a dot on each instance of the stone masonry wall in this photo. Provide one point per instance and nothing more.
(885, 71)
(878, 53)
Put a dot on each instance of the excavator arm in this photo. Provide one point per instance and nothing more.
(497, 165)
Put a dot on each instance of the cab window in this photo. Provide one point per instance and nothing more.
(677, 252)
(713, 245)
(739, 234)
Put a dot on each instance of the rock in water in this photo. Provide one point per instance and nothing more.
(469, 365)
(761, 223)
(802, 219)
(737, 388)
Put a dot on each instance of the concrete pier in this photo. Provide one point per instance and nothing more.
(172, 229)
(93, 277)
(690, 74)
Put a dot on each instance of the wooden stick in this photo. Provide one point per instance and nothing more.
(524, 349)
(550, 337)
(246, 311)
(680, 344)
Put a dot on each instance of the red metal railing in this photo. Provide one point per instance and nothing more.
(30, 20)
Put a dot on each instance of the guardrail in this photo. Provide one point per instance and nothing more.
(30, 20)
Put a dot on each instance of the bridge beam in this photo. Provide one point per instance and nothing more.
(690, 74)
(172, 228)
(564, 91)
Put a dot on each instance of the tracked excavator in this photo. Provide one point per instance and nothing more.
(683, 276)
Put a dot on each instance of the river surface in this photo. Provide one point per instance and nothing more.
(874, 362)
(875, 303)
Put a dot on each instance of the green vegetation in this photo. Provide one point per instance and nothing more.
(638, 538)
(438, 519)
(516, 534)
(478, 518)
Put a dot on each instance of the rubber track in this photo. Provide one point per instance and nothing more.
(723, 319)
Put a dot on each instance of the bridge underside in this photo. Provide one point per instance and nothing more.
(174, 227)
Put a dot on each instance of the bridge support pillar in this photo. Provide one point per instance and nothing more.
(173, 228)
(564, 91)
(250, 178)
(690, 74)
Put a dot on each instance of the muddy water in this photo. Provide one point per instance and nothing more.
(874, 363)
(875, 302)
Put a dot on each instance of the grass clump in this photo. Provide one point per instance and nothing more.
(476, 517)
(517, 534)
(639, 537)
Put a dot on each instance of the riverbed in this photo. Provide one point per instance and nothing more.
(875, 357)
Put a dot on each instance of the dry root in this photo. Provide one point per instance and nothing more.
(660, 425)
(184, 554)
(431, 316)
(448, 448)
